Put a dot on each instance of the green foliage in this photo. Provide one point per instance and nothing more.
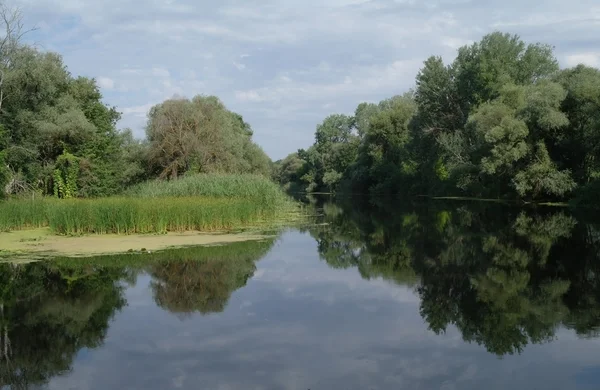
(255, 187)
(201, 136)
(155, 215)
(4, 173)
(579, 147)
(384, 145)
(542, 177)
(289, 171)
(501, 121)
(16, 214)
(66, 176)
(196, 202)
(139, 215)
(46, 114)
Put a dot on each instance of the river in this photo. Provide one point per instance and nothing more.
(426, 295)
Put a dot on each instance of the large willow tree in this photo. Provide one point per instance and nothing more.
(201, 135)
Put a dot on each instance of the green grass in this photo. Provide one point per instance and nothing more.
(155, 215)
(200, 202)
(23, 214)
(258, 188)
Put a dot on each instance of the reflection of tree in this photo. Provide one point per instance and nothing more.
(47, 314)
(503, 277)
(51, 310)
(193, 280)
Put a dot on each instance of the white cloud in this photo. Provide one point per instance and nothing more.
(454, 42)
(589, 59)
(291, 59)
(161, 72)
(249, 96)
(106, 83)
(239, 65)
(362, 81)
(138, 111)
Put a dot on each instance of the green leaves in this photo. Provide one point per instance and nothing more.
(542, 103)
(201, 135)
(542, 177)
(499, 138)
(66, 176)
(46, 113)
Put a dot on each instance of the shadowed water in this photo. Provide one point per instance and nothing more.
(420, 296)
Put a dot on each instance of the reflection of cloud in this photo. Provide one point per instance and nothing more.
(316, 283)
(364, 337)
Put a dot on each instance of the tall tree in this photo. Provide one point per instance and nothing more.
(201, 135)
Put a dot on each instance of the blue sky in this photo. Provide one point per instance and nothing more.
(286, 64)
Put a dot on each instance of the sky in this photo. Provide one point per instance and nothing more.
(285, 65)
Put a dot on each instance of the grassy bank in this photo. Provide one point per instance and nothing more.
(258, 188)
(202, 203)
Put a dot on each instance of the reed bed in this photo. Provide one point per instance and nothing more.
(154, 215)
(199, 202)
(258, 188)
(122, 215)
(19, 214)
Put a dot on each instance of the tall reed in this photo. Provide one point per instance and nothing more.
(258, 188)
(200, 202)
(154, 215)
(23, 214)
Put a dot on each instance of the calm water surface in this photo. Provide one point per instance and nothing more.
(422, 297)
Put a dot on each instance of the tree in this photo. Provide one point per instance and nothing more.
(46, 113)
(201, 135)
(202, 279)
(578, 148)
(386, 143)
(289, 171)
(14, 31)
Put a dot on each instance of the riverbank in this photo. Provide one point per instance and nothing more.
(40, 243)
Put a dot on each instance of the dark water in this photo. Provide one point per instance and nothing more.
(428, 296)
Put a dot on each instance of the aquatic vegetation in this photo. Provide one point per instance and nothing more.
(122, 215)
(255, 187)
(196, 202)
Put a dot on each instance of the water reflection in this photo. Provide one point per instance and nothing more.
(49, 311)
(368, 297)
(47, 314)
(504, 277)
(186, 285)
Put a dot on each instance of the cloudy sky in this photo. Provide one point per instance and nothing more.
(286, 64)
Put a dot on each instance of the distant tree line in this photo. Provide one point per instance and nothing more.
(503, 121)
(57, 136)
